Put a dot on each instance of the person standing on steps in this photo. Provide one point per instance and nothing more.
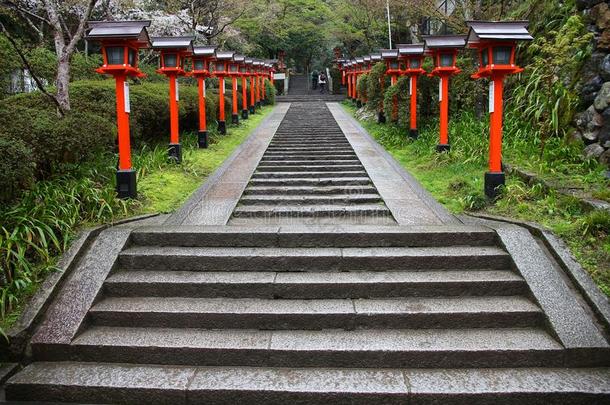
(314, 80)
(322, 82)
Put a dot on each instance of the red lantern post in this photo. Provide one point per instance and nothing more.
(201, 59)
(444, 49)
(257, 65)
(221, 71)
(120, 42)
(390, 56)
(174, 51)
(496, 44)
(235, 74)
(412, 59)
(243, 73)
(251, 74)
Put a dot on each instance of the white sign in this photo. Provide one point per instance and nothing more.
(411, 86)
(126, 94)
(177, 91)
(491, 96)
(279, 76)
(203, 87)
(440, 90)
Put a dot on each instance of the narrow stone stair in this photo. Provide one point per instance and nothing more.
(308, 315)
(310, 174)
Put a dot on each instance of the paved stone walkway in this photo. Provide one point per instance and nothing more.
(316, 305)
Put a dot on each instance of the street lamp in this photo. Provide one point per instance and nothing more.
(221, 70)
(234, 72)
(390, 56)
(174, 51)
(243, 73)
(120, 42)
(250, 66)
(444, 50)
(201, 59)
(496, 44)
(412, 59)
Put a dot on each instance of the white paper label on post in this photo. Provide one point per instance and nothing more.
(491, 96)
(411, 87)
(204, 88)
(440, 90)
(126, 94)
(177, 91)
(279, 76)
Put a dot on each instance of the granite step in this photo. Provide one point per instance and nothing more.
(292, 161)
(304, 190)
(314, 285)
(314, 236)
(422, 348)
(336, 211)
(311, 174)
(315, 314)
(146, 383)
(308, 157)
(308, 200)
(309, 182)
(320, 153)
(312, 259)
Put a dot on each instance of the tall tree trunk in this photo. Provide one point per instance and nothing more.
(62, 83)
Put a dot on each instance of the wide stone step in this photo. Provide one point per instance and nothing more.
(335, 211)
(313, 285)
(347, 199)
(304, 190)
(292, 161)
(422, 348)
(280, 157)
(276, 314)
(123, 383)
(309, 182)
(313, 259)
(310, 173)
(310, 167)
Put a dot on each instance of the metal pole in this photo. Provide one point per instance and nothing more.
(389, 25)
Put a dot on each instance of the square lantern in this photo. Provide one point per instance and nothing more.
(174, 51)
(376, 57)
(120, 42)
(202, 55)
(496, 42)
(235, 64)
(248, 64)
(243, 67)
(359, 65)
(367, 63)
(412, 57)
(390, 56)
(221, 62)
(444, 50)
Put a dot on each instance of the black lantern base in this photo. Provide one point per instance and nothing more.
(235, 119)
(440, 148)
(493, 182)
(258, 104)
(380, 117)
(175, 152)
(126, 184)
(244, 114)
(413, 134)
(222, 127)
(252, 109)
(358, 103)
(202, 139)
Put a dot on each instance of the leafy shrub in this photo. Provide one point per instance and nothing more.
(374, 93)
(16, 166)
(401, 91)
(362, 86)
(270, 92)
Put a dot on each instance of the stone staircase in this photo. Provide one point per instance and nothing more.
(268, 314)
(310, 174)
(299, 92)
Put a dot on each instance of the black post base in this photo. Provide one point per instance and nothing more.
(222, 127)
(126, 184)
(413, 133)
(493, 183)
(380, 118)
(252, 109)
(258, 104)
(358, 103)
(235, 119)
(440, 148)
(202, 139)
(175, 152)
(244, 114)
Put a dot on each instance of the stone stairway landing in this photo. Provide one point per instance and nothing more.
(310, 174)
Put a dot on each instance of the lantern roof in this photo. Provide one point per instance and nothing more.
(239, 58)
(224, 55)
(444, 41)
(178, 43)
(389, 53)
(359, 60)
(127, 30)
(248, 61)
(375, 57)
(257, 62)
(205, 51)
(410, 49)
(367, 58)
(498, 31)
